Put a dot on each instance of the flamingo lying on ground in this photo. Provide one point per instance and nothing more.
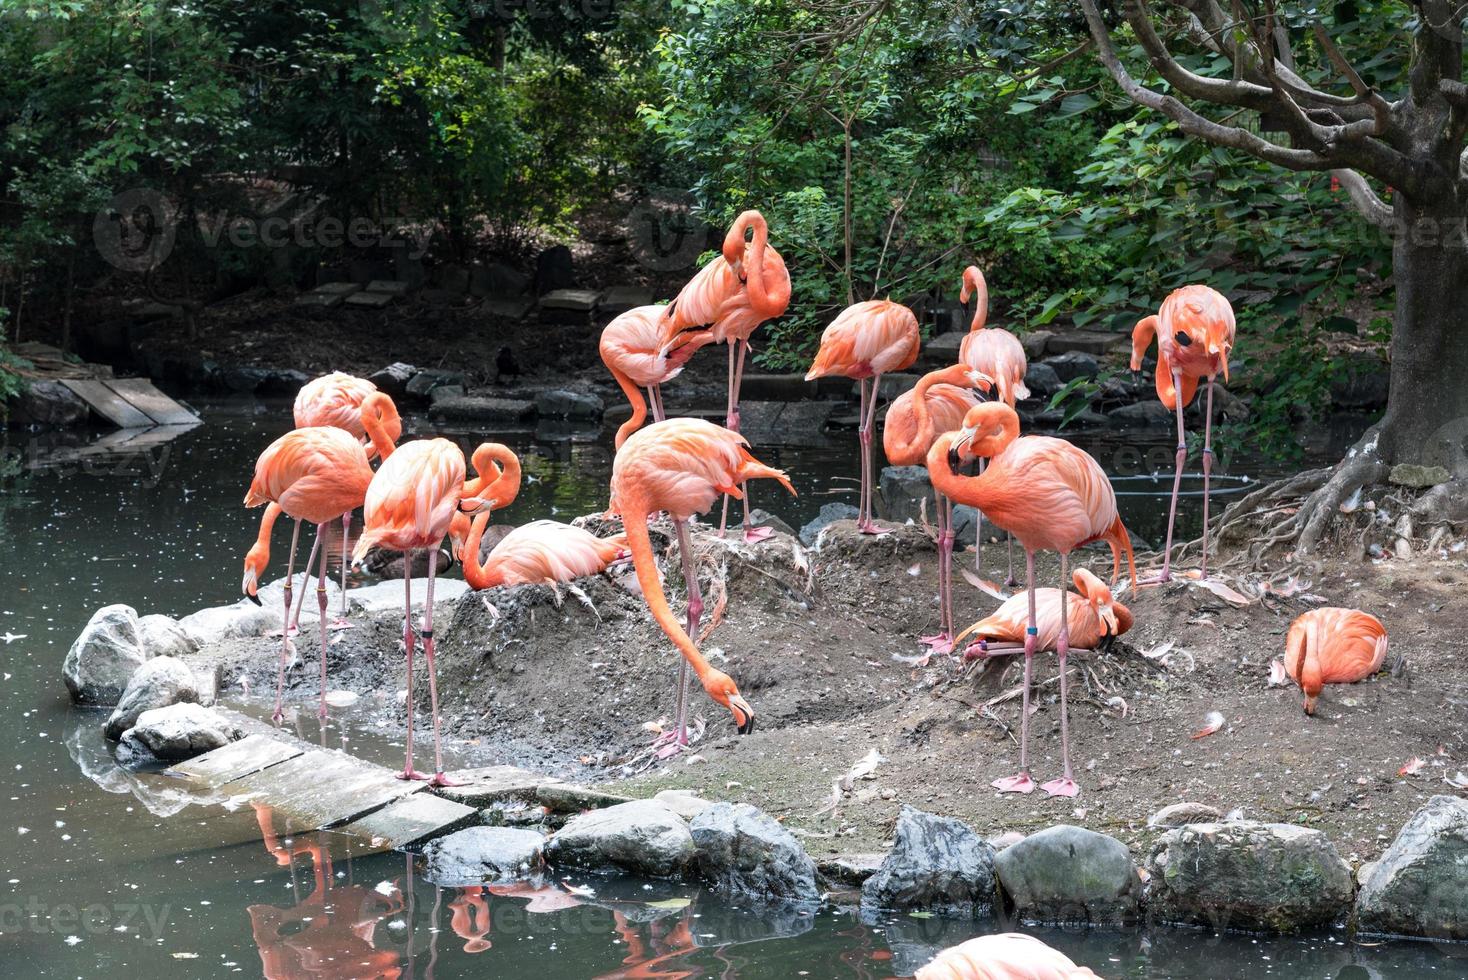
(998, 354)
(937, 404)
(741, 288)
(543, 552)
(1195, 333)
(1050, 495)
(1005, 956)
(866, 341)
(410, 504)
(314, 474)
(681, 466)
(495, 486)
(631, 349)
(1095, 618)
(1331, 645)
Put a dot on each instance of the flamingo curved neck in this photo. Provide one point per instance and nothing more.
(634, 522)
(475, 573)
(379, 418)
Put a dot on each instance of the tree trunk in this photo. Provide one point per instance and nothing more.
(1426, 418)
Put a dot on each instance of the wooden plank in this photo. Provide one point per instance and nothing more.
(140, 393)
(249, 755)
(323, 788)
(411, 820)
(109, 404)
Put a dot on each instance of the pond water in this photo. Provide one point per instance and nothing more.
(111, 873)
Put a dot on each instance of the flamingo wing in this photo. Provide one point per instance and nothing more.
(333, 399)
(414, 496)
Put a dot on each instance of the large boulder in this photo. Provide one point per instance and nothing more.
(159, 682)
(1042, 380)
(1264, 877)
(164, 636)
(1181, 814)
(936, 863)
(243, 618)
(561, 403)
(830, 514)
(481, 854)
(1069, 874)
(394, 378)
(1419, 887)
(104, 656)
(1074, 364)
(175, 733)
(786, 423)
(641, 837)
(49, 404)
(743, 851)
(474, 409)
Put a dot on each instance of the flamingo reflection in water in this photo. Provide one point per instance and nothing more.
(331, 933)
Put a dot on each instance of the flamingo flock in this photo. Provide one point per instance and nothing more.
(960, 422)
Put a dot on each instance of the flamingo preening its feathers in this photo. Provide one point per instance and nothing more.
(1331, 645)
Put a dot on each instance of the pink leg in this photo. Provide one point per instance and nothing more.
(731, 422)
(1021, 781)
(679, 737)
(439, 779)
(752, 534)
(1177, 480)
(942, 642)
(285, 633)
(1207, 472)
(979, 531)
(408, 643)
(295, 620)
(288, 624)
(1010, 581)
(1066, 784)
(865, 523)
(655, 402)
(861, 415)
(321, 608)
(346, 560)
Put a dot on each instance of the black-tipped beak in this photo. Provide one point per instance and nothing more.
(253, 598)
(953, 460)
(748, 726)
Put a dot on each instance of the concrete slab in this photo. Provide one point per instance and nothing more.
(140, 393)
(620, 299)
(392, 287)
(576, 300)
(569, 798)
(109, 404)
(323, 788)
(337, 288)
(246, 757)
(324, 301)
(494, 784)
(1094, 342)
(373, 301)
(411, 820)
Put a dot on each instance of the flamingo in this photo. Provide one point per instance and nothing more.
(866, 341)
(1195, 333)
(725, 302)
(937, 404)
(410, 504)
(306, 473)
(1004, 956)
(495, 486)
(631, 350)
(1095, 618)
(1331, 645)
(997, 353)
(1050, 495)
(681, 466)
(545, 552)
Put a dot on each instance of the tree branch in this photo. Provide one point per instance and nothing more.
(1377, 212)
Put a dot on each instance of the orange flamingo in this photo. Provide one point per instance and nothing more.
(1331, 645)
(1095, 618)
(681, 466)
(495, 486)
(1050, 495)
(1195, 333)
(1004, 956)
(470, 918)
(306, 473)
(410, 504)
(542, 552)
(937, 404)
(741, 288)
(373, 417)
(866, 341)
(632, 350)
(997, 353)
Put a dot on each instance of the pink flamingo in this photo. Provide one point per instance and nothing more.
(866, 341)
(1333, 646)
(1050, 495)
(544, 552)
(632, 350)
(1005, 956)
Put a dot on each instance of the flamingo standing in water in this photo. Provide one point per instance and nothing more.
(1004, 956)
(681, 466)
(1095, 618)
(631, 349)
(410, 504)
(1050, 495)
(998, 354)
(314, 474)
(544, 552)
(1331, 645)
(864, 342)
(741, 288)
(937, 404)
(1195, 333)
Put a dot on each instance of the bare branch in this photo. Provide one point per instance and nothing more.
(1376, 211)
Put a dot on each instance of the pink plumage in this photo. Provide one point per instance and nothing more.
(867, 339)
(1005, 956)
(413, 498)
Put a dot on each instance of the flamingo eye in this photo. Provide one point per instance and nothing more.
(1183, 339)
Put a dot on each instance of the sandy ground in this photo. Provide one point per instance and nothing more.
(814, 640)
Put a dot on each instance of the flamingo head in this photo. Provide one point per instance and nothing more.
(255, 561)
(1115, 619)
(721, 687)
(987, 429)
(979, 381)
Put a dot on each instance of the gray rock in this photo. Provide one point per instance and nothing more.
(243, 378)
(175, 733)
(1034, 343)
(1419, 477)
(619, 299)
(763, 518)
(445, 392)
(243, 618)
(1042, 380)
(743, 851)
(283, 381)
(936, 863)
(904, 488)
(158, 683)
(483, 411)
(684, 802)
(830, 514)
(892, 385)
(554, 269)
(1149, 411)
(641, 837)
(50, 404)
(164, 636)
(1267, 877)
(1073, 364)
(1418, 887)
(564, 404)
(776, 423)
(483, 854)
(104, 656)
(425, 381)
(851, 869)
(1069, 874)
(1094, 342)
(394, 378)
(1182, 814)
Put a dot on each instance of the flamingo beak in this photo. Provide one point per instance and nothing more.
(743, 714)
(1108, 617)
(253, 598)
(473, 505)
(981, 381)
